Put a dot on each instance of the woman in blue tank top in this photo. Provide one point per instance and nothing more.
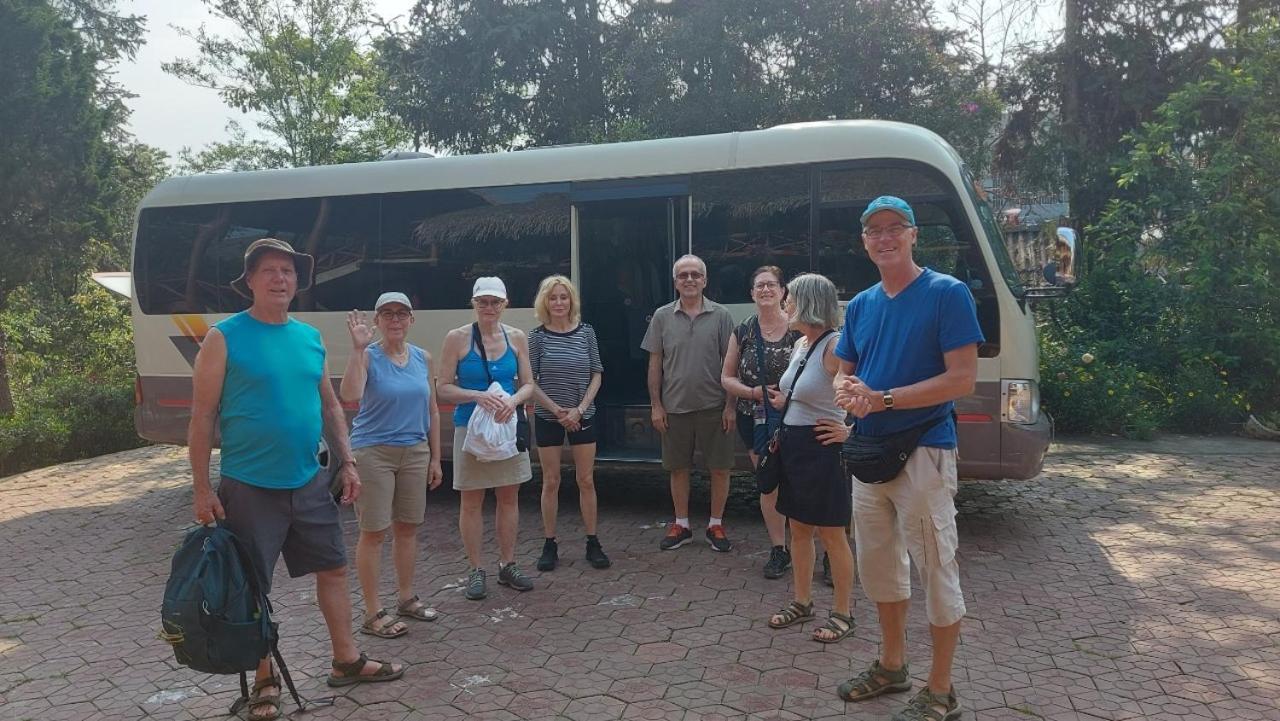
(474, 356)
(396, 441)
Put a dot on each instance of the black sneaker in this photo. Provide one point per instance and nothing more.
(595, 554)
(476, 588)
(717, 539)
(677, 536)
(550, 556)
(510, 575)
(826, 570)
(778, 563)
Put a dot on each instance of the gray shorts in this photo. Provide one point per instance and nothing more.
(302, 524)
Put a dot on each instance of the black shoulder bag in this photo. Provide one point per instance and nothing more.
(879, 459)
(769, 470)
(522, 422)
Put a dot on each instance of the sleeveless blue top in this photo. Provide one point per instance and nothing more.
(395, 409)
(472, 376)
(270, 414)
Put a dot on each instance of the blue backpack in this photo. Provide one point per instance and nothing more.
(215, 614)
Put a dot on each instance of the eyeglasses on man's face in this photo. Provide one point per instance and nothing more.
(689, 275)
(487, 302)
(400, 315)
(888, 231)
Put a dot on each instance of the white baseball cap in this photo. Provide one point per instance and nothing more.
(489, 285)
(392, 297)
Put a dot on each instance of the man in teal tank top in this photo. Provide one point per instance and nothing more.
(261, 376)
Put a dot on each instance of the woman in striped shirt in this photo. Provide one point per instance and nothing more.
(567, 372)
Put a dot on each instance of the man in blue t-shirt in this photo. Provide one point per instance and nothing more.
(908, 350)
(261, 376)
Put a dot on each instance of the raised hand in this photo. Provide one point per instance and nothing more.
(361, 331)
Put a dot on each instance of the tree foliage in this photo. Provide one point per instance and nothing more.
(1074, 99)
(497, 74)
(301, 67)
(1186, 286)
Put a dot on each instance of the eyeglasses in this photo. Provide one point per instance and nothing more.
(889, 231)
(487, 302)
(767, 285)
(395, 315)
(689, 275)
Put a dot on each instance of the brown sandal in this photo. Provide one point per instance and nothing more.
(352, 672)
(258, 701)
(371, 627)
(794, 613)
(415, 609)
(838, 625)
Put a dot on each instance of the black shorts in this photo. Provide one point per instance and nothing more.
(302, 524)
(549, 434)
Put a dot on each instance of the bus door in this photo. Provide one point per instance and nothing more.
(625, 247)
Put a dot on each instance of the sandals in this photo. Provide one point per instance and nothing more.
(794, 613)
(875, 681)
(414, 608)
(259, 702)
(838, 625)
(928, 706)
(371, 627)
(352, 673)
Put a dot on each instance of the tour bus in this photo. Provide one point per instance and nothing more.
(613, 218)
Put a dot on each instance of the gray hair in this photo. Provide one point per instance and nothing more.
(688, 257)
(815, 299)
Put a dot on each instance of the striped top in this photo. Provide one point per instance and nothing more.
(562, 366)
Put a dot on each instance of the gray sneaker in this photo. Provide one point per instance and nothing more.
(510, 575)
(476, 588)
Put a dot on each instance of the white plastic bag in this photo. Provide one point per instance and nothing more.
(487, 439)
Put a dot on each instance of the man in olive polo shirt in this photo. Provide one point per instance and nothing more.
(686, 341)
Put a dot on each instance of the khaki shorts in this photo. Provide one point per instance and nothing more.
(913, 516)
(700, 430)
(393, 484)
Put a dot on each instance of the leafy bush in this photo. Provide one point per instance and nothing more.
(1181, 299)
(71, 369)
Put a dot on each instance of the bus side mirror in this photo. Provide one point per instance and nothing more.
(1059, 271)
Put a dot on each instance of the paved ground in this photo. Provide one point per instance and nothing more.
(1129, 581)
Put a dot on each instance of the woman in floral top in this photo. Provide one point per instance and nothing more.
(764, 336)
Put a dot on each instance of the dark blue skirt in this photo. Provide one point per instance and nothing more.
(814, 489)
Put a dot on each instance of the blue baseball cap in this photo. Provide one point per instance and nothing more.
(889, 202)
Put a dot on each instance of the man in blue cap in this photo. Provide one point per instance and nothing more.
(908, 350)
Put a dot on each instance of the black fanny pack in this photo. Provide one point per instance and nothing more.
(879, 459)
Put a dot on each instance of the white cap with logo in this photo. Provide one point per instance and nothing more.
(489, 285)
(392, 297)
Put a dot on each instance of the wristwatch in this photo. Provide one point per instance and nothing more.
(888, 400)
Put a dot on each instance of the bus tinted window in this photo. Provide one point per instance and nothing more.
(945, 243)
(188, 256)
(436, 243)
(748, 218)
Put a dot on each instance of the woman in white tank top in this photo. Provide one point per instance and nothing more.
(814, 494)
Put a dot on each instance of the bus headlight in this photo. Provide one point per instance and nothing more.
(1021, 401)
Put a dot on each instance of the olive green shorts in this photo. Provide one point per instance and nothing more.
(697, 431)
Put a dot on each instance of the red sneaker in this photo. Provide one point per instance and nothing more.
(677, 536)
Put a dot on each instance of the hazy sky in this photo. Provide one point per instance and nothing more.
(169, 113)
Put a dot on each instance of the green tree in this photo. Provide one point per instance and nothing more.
(498, 74)
(1074, 99)
(1185, 288)
(302, 67)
